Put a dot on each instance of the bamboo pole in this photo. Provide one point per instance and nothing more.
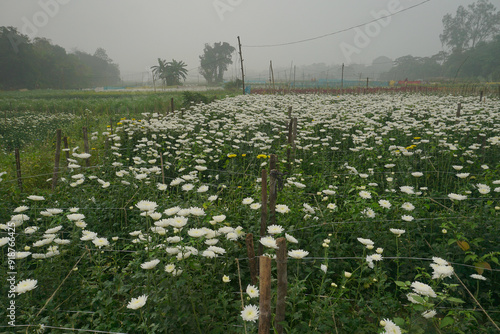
(263, 209)
(65, 140)
(265, 295)
(57, 159)
(281, 260)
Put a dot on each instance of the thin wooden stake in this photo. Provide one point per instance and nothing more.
(273, 162)
(263, 209)
(480, 96)
(242, 72)
(459, 108)
(251, 257)
(86, 145)
(281, 261)
(18, 169)
(172, 105)
(265, 295)
(57, 159)
(111, 125)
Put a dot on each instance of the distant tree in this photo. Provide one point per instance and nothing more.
(102, 71)
(175, 71)
(214, 61)
(160, 71)
(477, 23)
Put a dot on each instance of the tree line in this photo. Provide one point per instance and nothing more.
(39, 64)
(472, 44)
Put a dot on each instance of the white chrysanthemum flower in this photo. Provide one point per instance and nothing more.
(329, 192)
(324, 268)
(252, 291)
(75, 216)
(457, 197)
(226, 279)
(100, 242)
(53, 230)
(250, 313)
(483, 188)
(213, 198)
(440, 261)
(366, 242)
(282, 208)
(161, 186)
(407, 190)
(384, 203)
(178, 221)
(441, 271)
(138, 302)
(154, 215)
(195, 211)
(21, 208)
(36, 198)
(21, 255)
(150, 264)
(4, 241)
(26, 285)
(463, 175)
(298, 253)
(146, 206)
(170, 267)
(219, 218)
(269, 242)
(479, 277)
(196, 232)
(365, 194)
(397, 232)
(429, 314)
(414, 298)
(176, 181)
(391, 328)
(187, 187)
(88, 235)
(291, 239)
(172, 211)
(209, 254)
(202, 189)
(407, 218)
(274, 229)
(331, 206)
(407, 206)
(247, 201)
(423, 289)
(368, 212)
(255, 206)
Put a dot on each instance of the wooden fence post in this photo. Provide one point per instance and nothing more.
(172, 105)
(263, 209)
(281, 261)
(18, 169)
(57, 159)
(480, 96)
(111, 125)
(86, 145)
(265, 295)
(459, 108)
(251, 258)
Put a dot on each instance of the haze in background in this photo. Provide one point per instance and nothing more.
(136, 33)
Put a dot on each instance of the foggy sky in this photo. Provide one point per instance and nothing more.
(135, 33)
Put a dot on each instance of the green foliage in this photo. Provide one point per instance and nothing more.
(214, 62)
(38, 64)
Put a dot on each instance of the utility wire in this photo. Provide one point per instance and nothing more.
(336, 32)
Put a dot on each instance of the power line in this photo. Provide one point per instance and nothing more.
(335, 32)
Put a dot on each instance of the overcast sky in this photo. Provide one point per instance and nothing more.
(137, 32)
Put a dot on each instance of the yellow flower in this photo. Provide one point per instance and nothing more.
(231, 155)
(119, 123)
(417, 138)
(263, 156)
(244, 155)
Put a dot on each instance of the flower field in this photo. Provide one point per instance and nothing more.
(389, 203)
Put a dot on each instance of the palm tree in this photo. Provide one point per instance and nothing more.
(175, 71)
(159, 71)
